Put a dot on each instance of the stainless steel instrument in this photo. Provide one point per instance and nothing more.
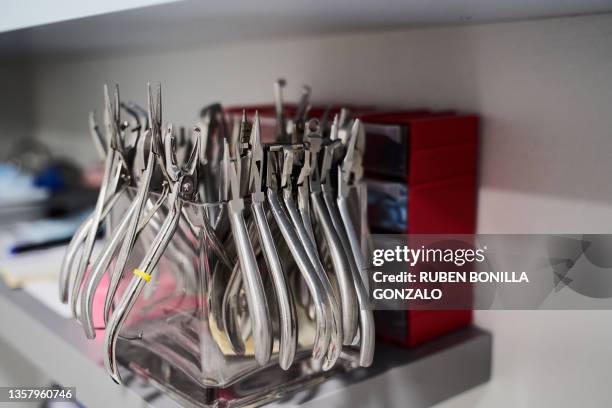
(226, 255)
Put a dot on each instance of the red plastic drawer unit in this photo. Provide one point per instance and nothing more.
(431, 164)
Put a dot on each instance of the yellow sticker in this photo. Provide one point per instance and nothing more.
(142, 275)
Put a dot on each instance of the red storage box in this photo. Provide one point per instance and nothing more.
(433, 157)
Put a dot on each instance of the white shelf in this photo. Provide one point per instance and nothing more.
(20, 14)
(136, 24)
(418, 377)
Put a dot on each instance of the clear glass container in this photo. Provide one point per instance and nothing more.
(179, 333)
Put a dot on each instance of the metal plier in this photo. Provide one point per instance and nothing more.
(305, 253)
(102, 149)
(350, 172)
(116, 167)
(155, 154)
(183, 187)
(126, 231)
(319, 190)
(282, 289)
(251, 276)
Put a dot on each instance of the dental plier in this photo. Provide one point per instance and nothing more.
(82, 232)
(183, 187)
(305, 253)
(282, 289)
(154, 157)
(251, 276)
(349, 176)
(115, 168)
(318, 178)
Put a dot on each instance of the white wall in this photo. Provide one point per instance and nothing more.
(543, 88)
(15, 107)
